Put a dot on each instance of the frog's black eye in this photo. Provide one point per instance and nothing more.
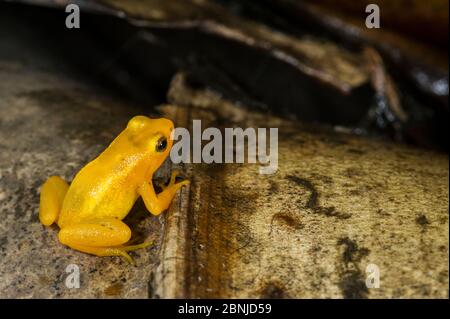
(161, 145)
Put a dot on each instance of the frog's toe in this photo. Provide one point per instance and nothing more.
(173, 177)
(183, 183)
(127, 257)
(135, 247)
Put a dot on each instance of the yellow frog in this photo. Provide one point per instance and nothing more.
(89, 212)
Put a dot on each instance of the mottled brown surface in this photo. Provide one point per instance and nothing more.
(336, 204)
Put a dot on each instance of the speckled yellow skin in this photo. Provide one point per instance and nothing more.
(90, 210)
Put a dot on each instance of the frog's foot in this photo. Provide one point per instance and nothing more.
(157, 203)
(111, 251)
(169, 191)
(52, 196)
(124, 250)
(136, 247)
(173, 178)
(104, 251)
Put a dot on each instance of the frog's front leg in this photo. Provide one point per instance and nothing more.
(52, 196)
(101, 237)
(157, 203)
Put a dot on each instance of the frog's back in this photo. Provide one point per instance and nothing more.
(98, 190)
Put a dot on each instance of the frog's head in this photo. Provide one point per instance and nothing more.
(151, 138)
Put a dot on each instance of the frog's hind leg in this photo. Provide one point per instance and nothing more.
(52, 196)
(101, 237)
